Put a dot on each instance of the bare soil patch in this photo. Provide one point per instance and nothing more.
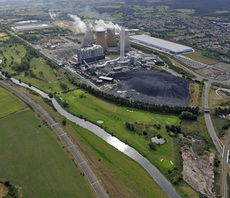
(3, 190)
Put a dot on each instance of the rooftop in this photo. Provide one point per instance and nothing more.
(162, 44)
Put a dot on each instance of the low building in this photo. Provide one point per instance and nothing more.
(104, 78)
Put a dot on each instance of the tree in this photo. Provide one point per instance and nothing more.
(63, 122)
(63, 85)
(159, 136)
(185, 115)
(51, 95)
(152, 145)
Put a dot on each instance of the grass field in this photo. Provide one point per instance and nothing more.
(17, 52)
(197, 56)
(114, 119)
(9, 103)
(31, 157)
(130, 173)
(49, 80)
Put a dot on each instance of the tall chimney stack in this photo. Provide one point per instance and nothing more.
(122, 44)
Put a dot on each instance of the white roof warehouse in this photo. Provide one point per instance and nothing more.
(171, 47)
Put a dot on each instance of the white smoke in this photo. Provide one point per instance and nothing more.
(100, 25)
(52, 14)
(80, 26)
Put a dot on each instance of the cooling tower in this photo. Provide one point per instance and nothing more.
(100, 39)
(127, 43)
(111, 38)
(88, 39)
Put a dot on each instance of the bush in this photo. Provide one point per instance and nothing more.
(185, 115)
(159, 136)
(63, 122)
(152, 146)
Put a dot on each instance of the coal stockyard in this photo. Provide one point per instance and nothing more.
(153, 87)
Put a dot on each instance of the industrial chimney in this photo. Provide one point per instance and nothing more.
(111, 38)
(88, 39)
(127, 43)
(122, 44)
(100, 39)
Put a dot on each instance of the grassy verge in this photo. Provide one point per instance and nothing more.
(195, 94)
(218, 124)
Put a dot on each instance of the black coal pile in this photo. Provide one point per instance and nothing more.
(155, 87)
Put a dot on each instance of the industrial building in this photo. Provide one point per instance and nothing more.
(161, 44)
(30, 27)
(88, 54)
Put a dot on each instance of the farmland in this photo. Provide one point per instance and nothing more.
(32, 158)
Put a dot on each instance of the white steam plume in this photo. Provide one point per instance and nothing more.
(52, 14)
(80, 26)
(100, 25)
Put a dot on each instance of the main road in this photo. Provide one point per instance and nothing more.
(82, 162)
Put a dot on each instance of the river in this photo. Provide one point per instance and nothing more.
(115, 142)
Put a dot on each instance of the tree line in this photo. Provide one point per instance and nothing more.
(135, 104)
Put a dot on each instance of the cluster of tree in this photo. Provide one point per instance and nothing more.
(226, 125)
(220, 85)
(177, 69)
(215, 54)
(25, 61)
(172, 130)
(63, 85)
(185, 115)
(157, 126)
(6, 74)
(134, 104)
(130, 126)
(152, 145)
(222, 111)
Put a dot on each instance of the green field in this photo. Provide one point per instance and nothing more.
(49, 80)
(14, 53)
(128, 172)
(46, 78)
(32, 158)
(114, 118)
(9, 103)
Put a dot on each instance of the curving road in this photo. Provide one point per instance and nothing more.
(81, 161)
